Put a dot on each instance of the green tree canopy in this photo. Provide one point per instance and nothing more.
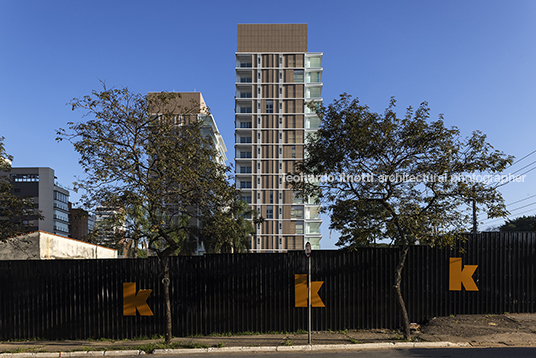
(137, 157)
(405, 179)
(523, 223)
(230, 230)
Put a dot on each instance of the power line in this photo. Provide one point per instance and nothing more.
(515, 202)
(508, 182)
(528, 155)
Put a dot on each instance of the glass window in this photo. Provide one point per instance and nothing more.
(299, 228)
(245, 184)
(270, 106)
(269, 212)
(296, 212)
(246, 198)
(298, 76)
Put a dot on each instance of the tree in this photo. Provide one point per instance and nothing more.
(406, 179)
(16, 213)
(523, 223)
(135, 154)
(229, 230)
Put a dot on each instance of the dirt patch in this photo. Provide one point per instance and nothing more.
(481, 329)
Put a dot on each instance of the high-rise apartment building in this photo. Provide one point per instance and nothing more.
(275, 80)
(186, 108)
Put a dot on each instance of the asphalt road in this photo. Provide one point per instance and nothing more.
(505, 352)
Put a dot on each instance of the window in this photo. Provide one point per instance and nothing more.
(246, 198)
(245, 184)
(293, 151)
(259, 166)
(299, 228)
(245, 170)
(22, 178)
(270, 106)
(245, 94)
(280, 166)
(245, 124)
(298, 76)
(245, 155)
(271, 197)
(296, 212)
(245, 139)
(269, 212)
(258, 181)
(259, 151)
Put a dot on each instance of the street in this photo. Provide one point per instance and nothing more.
(503, 352)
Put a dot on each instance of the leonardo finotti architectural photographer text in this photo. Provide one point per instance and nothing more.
(408, 178)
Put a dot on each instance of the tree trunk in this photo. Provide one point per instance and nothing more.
(166, 282)
(396, 287)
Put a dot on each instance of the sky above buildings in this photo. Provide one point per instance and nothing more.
(473, 61)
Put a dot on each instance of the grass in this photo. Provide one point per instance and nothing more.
(287, 342)
(355, 341)
(24, 350)
(148, 347)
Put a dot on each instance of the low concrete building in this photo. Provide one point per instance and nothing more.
(40, 245)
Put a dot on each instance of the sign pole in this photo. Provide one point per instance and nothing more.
(309, 297)
(308, 255)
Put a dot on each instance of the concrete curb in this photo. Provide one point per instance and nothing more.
(319, 347)
(303, 348)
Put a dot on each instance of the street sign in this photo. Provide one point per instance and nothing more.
(308, 249)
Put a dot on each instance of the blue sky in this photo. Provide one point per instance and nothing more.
(473, 61)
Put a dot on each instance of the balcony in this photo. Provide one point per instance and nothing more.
(244, 110)
(244, 125)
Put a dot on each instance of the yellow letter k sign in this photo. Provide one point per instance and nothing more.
(301, 293)
(133, 301)
(459, 276)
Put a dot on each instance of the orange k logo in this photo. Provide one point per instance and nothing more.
(301, 292)
(133, 301)
(459, 275)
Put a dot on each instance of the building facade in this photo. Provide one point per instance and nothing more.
(49, 197)
(276, 78)
(189, 107)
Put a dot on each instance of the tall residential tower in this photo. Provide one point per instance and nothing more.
(275, 79)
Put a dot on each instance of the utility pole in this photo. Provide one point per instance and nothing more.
(475, 222)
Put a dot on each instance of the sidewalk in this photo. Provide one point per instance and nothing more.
(256, 342)
(518, 330)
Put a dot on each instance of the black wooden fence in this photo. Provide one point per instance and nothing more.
(68, 299)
